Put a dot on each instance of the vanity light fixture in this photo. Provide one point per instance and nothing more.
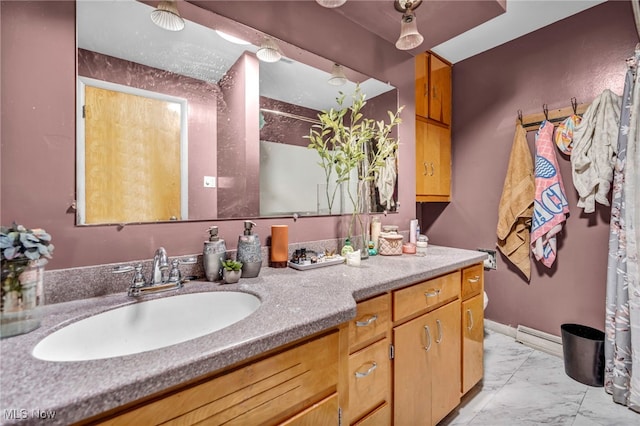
(166, 16)
(409, 35)
(338, 78)
(269, 51)
(331, 3)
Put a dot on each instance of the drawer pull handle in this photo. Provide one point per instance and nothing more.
(470, 315)
(365, 323)
(360, 375)
(474, 279)
(432, 293)
(427, 333)
(439, 339)
(426, 168)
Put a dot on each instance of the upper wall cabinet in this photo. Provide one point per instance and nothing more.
(433, 132)
(433, 88)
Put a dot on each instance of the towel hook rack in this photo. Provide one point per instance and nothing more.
(520, 117)
(545, 110)
(574, 105)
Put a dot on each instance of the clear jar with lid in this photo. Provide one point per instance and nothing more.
(421, 245)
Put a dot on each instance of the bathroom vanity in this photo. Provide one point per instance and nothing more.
(334, 345)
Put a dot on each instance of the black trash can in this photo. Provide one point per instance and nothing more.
(583, 350)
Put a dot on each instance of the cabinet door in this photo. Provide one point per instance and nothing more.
(440, 90)
(445, 352)
(422, 84)
(472, 341)
(413, 342)
(433, 162)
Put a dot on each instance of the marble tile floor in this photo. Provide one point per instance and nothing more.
(524, 386)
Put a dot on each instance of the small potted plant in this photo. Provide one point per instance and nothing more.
(23, 253)
(231, 271)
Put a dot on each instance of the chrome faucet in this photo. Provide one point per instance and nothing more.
(161, 278)
(160, 267)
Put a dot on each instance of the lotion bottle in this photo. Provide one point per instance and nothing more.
(249, 251)
(213, 255)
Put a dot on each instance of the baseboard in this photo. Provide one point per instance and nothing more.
(531, 337)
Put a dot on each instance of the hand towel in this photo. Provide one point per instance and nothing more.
(594, 147)
(550, 206)
(516, 205)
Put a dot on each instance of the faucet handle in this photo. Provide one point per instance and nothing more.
(138, 278)
(174, 275)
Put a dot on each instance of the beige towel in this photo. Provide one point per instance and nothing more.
(516, 205)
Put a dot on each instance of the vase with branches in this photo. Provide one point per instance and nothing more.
(353, 151)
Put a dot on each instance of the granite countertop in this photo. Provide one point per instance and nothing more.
(295, 304)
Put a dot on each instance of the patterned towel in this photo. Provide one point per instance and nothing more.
(550, 206)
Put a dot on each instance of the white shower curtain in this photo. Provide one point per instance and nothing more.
(622, 342)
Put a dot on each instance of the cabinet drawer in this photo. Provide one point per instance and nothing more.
(369, 378)
(410, 300)
(371, 321)
(380, 417)
(252, 394)
(324, 412)
(472, 280)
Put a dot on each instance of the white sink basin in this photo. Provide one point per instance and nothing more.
(146, 325)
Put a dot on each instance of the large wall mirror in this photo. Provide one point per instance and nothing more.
(187, 125)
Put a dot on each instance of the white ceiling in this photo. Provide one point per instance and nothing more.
(521, 17)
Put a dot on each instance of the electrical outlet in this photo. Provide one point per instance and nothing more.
(209, 181)
(490, 262)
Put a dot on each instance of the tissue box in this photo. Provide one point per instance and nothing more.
(390, 244)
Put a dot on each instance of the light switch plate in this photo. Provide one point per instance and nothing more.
(209, 181)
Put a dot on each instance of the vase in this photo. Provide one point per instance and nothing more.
(358, 228)
(231, 277)
(22, 296)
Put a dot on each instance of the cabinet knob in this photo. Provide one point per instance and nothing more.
(360, 375)
(367, 322)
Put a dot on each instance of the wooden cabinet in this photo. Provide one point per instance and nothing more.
(433, 88)
(427, 347)
(295, 385)
(369, 365)
(433, 132)
(427, 366)
(472, 326)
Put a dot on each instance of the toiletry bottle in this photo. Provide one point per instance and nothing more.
(347, 248)
(376, 228)
(213, 255)
(249, 251)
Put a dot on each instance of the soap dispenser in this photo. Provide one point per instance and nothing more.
(249, 251)
(213, 255)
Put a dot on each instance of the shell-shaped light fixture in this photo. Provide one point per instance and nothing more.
(167, 16)
(269, 51)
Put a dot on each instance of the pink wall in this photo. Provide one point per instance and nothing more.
(577, 57)
(37, 152)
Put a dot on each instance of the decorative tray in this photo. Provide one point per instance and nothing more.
(335, 260)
